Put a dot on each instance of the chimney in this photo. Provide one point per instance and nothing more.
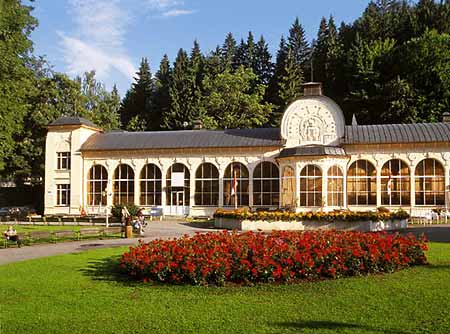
(446, 117)
(312, 88)
(197, 124)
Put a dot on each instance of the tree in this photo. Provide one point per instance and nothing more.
(298, 45)
(137, 102)
(273, 91)
(161, 97)
(291, 83)
(181, 95)
(101, 106)
(234, 100)
(16, 25)
(263, 66)
(228, 52)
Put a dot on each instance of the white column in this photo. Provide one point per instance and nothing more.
(250, 185)
(378, 182)
(221, 171)
(447, 185)
(324, 185)
(412, 187)
(163, 186)
(191, 188)
(137, 186)
(297, 185)
(344, 188)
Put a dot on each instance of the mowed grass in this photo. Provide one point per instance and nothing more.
(33, 228)
(79, 293)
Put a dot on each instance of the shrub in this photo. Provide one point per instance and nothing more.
(116, 210)
(214, 258)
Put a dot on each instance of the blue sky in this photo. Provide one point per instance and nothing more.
(111, 36)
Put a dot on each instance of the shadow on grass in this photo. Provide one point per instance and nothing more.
(108, 269)
(337, 326)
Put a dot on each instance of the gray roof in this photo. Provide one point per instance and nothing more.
(183, 139)
(312, 150)
(72, 120)
(397, 133)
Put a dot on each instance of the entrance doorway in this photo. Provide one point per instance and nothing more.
(177, 207)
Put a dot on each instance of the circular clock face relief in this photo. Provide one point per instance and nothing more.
(312, 121)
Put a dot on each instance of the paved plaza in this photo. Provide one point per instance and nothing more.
(163, 229)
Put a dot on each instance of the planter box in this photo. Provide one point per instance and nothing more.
(264, 225)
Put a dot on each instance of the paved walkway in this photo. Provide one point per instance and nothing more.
(155, 230)
(163, 229)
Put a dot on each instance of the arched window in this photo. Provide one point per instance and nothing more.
(395, 183)
(430, 183)
(123, 185)
(207, 185)
(178, 185)
(362, 183)
(266, 184)
(335, 185)
(97, 183)
(311, 186)
(288, 188)
(237, 171)
(150, 181)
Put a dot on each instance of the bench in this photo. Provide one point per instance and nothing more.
(156, 212)
(69, 234)
(90, 232)
(112, 231)
(40, 235)
(18, 240)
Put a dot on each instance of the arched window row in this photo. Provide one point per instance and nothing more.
(395, 177)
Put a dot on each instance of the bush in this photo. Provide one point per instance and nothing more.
(116, 210)
(214, 258)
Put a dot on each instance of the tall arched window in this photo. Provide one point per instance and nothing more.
(266, 184)
(395, 183)
(178, 185)
(430, 183)
(311, 186)
(335, 185)
(362, 183)
(288, 188)
(97, 183)
(123, 185)
(150, 181)
(207, 185)
(240, 172)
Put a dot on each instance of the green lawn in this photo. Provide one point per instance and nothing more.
(31, 228)
(78, 293)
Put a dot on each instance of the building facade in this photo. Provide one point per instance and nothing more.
(312, 162)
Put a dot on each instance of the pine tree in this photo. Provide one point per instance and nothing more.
(228, 52)
(241, 54)
(263, 66)
(161, 97)
(292, 81)
(273, 91)
(197, 74)
(299, 46)
(136, 105)
(181, 113)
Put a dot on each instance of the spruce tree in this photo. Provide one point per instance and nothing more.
(181, 113)
(263, 66)
(197, 74)
(291, 83)
(228, 52)
(135, 111)
(161, 96)
(298, 45)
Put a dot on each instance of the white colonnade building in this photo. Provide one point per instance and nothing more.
(314, 161)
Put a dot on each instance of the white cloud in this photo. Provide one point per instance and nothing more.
(177, 12)
(97, 40)
(163, 4)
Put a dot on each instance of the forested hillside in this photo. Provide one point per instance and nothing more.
(391, 65)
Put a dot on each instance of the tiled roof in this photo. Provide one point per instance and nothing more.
(183, 139)
(397, 133)
(312, 150)
(72, 120)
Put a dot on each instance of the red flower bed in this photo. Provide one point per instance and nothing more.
(214, 258)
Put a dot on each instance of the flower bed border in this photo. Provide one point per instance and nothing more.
(266, 225)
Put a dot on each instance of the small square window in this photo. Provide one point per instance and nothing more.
(63, 160)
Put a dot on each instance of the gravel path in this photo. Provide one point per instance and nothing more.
(155, 230)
